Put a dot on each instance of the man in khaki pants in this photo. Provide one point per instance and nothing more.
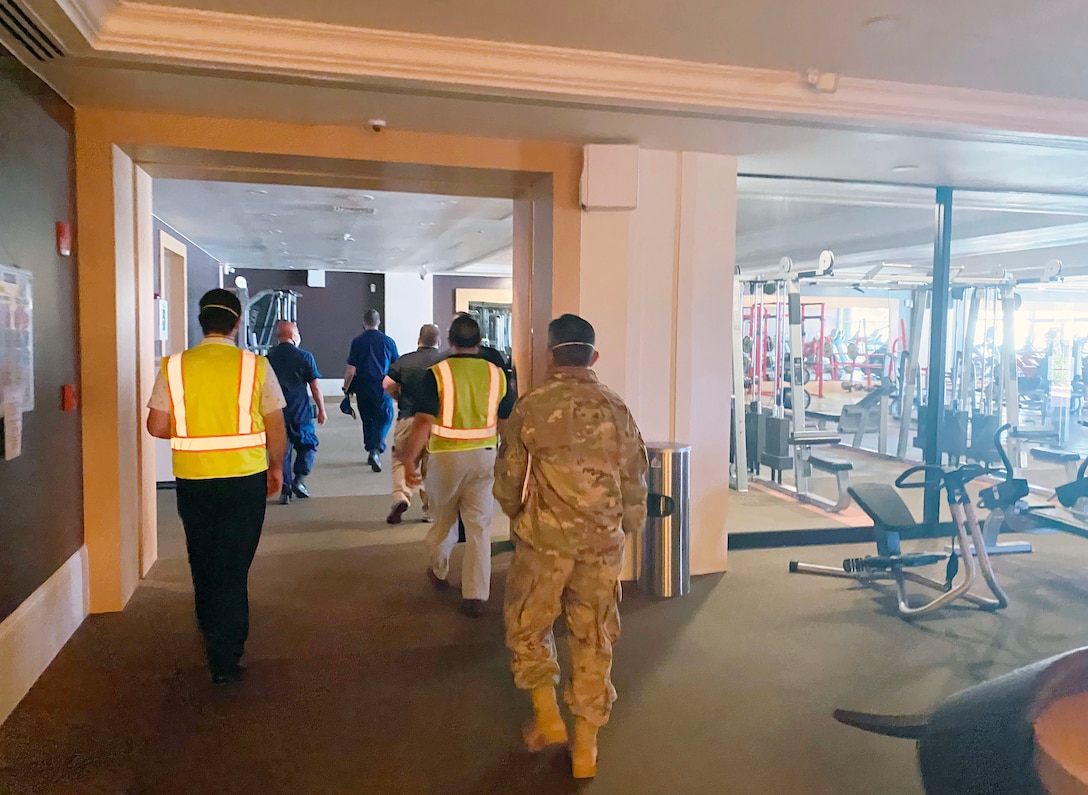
(457, 415)
(401, 383)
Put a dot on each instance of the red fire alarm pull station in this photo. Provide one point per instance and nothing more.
(69, 398)
(64, 239)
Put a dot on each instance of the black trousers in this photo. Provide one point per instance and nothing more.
(222, 519)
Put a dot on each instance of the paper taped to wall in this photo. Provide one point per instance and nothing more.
(16, 340)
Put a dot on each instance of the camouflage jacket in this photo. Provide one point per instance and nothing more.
(587, 480)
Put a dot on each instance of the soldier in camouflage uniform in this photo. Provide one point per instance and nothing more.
(571, 474)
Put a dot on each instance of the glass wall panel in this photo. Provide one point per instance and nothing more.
(859, 259)
(1018, 328)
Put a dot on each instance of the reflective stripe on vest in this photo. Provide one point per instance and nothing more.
(444, 429)
(243, 439)
(210, 444)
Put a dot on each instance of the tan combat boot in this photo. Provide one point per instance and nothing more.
(547, 726)
(584, 752)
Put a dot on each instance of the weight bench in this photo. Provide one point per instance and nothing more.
(1050, 455)
(841, 469)
(822, 417)
(864, 416)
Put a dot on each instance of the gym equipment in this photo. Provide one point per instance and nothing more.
(892, 519)
(262, 312)
(785, 442)
(1020, 734)
(868, 415)
(759, 357)
(1066, 458)
(1006, 502)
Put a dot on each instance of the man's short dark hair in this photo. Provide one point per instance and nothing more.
(220, 311)
(571, 340)
(371, 318)
(429, 336)
(464, 332)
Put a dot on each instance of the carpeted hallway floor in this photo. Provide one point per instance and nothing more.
(364, 680)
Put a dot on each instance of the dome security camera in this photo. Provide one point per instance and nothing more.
(377, 125)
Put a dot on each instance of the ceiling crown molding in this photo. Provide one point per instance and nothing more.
(281, 46)
(87, 15)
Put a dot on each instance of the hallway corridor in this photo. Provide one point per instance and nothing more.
(363, 680)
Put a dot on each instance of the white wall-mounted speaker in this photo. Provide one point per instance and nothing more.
(609, 177)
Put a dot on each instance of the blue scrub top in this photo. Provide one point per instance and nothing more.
(295, 369)
(371, 354)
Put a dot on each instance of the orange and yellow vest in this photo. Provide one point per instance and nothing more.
(215, 409)
(469, 393)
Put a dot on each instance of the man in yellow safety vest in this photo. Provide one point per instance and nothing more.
(457, 415)
(221, 409)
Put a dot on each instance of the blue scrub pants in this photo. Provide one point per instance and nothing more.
(376, 412)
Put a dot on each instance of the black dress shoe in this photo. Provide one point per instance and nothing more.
(285, 496)
(473, 608)
(235, 674)
(397, 512)
(375, 460)
(298, 488)
(439, 585)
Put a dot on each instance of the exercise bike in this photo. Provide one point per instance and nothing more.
(892, 520)
(1007, 503)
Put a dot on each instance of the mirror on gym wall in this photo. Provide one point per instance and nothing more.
(856, 263)
(1017, 331)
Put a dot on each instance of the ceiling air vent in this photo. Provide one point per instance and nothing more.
(28, 33)
(337, 208)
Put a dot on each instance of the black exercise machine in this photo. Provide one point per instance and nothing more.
(892, 520)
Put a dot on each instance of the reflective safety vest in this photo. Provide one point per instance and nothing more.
(215, 405)
(469, 392)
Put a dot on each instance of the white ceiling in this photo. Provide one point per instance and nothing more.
(866, 225)
(1001, 45)
(280, 226)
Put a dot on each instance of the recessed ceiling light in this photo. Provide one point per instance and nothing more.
(367, 197)
(882, 24)
(257, 192)
(905, 168)
(275, 231)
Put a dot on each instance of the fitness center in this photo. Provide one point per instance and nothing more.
(926, 327)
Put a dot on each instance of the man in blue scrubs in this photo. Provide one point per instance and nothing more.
(297, 372)
(368, 363)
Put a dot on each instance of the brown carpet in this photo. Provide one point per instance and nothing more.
(364, 680)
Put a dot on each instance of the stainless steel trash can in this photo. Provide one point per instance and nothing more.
(664, 557)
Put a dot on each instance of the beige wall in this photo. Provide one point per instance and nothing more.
(111, 146)
(657, 284)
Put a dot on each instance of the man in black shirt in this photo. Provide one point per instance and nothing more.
(400, 383)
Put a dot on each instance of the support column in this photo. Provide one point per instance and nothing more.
(106, 202)
(657, 283)
(942, 263)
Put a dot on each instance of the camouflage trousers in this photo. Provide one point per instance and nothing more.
(539, 587)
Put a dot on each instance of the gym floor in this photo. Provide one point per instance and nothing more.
(362, 679)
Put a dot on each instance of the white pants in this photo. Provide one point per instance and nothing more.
(461, 483)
